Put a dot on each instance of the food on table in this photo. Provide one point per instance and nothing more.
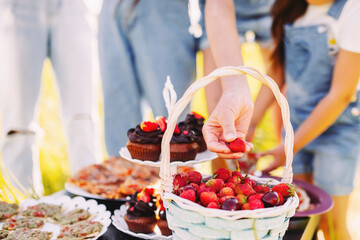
(8, 210)
(304, 200)
(74, 216)
(238, 145)
(230, 191)
(162, 221)
(114, 178)
(26, 234)
(183, 145)
(27, 223)
(44, 210)
(145, 141)
(140, 215)
(195, 122)
(4, 233)
(81, 230)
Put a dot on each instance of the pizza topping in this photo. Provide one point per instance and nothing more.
(72, 217)
(8, 209)
(27, 223)
(26, 234)
(42, 210)
(81, 230)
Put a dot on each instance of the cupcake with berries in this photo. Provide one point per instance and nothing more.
(183, 145)
(162, 221)
(140, 216)
(195, 122)
(145, 140)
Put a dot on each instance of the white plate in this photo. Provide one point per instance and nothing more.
(200, 157)
(81, 192)
(68, 204)
(119, 222)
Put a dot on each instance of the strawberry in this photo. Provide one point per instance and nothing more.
(180, 181)
(255, 196)
(195, 186)
(194, 177)
(149, 191)
(234, 180)
(148, 126)
(226, 191)
(261, 189)
(143, 197)
(222, 173)
(238, 145)
(241, 198)
(189, 194)
(177, 130)
(161, 121)
(248, 181)
(236, 173)
(281, 200)
(208, 197)
(216, 184)
(230, 185)
(196, 115)
(224, 198)
(245, 189)
(213, 205)
(255, 204)
(186, 132)
(286, 190)
(202, 189)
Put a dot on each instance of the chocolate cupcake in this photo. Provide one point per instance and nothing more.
(183, 146)
(195, 122)
(162, 222)
(145, 141)
(140, 216)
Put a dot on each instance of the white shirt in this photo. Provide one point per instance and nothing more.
(344, 32)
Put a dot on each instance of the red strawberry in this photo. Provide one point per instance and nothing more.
(271, 199)
(245, 189)
(226, 191)
(195, 186)
(189, 194)
(222, 173)
(261, 189)
(162, 208)
(213, 205)
(186, 132)
(194, 177)
(216, 184)
(202, 189)
(180, 181)
(196, 115)
(248, 181)
(143, 197)
(230, 185)
(255, 204)
(255, 196)
(234, 180)
(177, 130)
(149, 191)
(241, 198)
(161, 121)
(224, 198)
(208, 197)
(238, 145)
(282, 200)
(237, 173)
(148, 126)
(287, 190)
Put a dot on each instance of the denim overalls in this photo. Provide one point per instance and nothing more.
(333, 156)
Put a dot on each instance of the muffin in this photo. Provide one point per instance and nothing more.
(195, 122)
(140, 216)
(183, 145)
(162, 222)
(145, 141)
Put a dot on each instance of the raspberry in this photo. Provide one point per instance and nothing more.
(238, 145)
(189, 194)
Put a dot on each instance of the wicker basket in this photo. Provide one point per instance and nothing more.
(190, 221)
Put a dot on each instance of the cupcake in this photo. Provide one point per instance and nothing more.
(195, 122)
(162, 222)
(140, 216)
(183, 145)
(145, 141)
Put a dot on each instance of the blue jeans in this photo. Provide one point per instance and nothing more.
(139, 46)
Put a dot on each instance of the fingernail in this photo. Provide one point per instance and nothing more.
(230, 137)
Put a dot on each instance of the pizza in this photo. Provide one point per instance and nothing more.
(8, 210)
(3, 233)
(27, 223)
(26, 234)
(81, 230)
(72, 217)
(114, 178)
(44, 210)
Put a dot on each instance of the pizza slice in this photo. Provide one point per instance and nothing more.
(81, 230)
(44, 210)
(8, 210)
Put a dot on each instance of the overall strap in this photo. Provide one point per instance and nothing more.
(336, 9)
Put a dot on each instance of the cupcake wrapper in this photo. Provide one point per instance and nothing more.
(164, 227)
(141, 224)
(202, 144)
(139, 151)
(183, 152)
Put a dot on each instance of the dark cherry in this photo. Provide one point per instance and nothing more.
(271, 199)
(230, 204)
(187, 187)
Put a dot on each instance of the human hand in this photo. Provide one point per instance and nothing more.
(250, 133)
(229, 120)
(279, 158)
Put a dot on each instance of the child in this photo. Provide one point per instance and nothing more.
(317, 55)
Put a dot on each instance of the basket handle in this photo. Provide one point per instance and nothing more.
(165, 174)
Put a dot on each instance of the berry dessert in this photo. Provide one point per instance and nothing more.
(141, 207)
(230, 191)
(183, 145)
(145, 141)
(195, 122)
